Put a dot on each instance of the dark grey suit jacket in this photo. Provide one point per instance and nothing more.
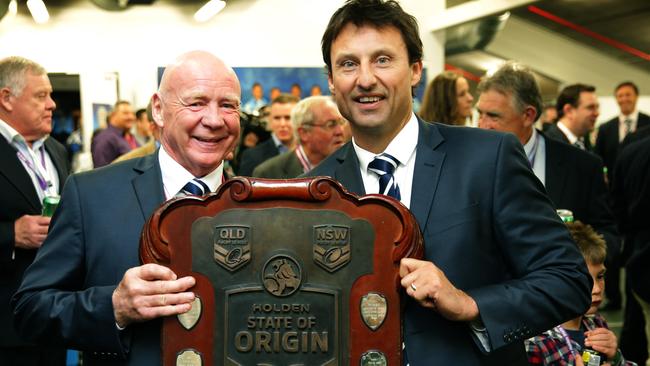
(489, 226)
(575, 181)
(257, 155)
(18, 197)
(66, 295)
(283, 166)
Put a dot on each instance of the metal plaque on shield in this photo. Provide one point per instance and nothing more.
(291, 272)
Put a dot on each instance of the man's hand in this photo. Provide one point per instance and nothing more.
(30, 231)
(151, 291)
(602, 340)
(427, 284)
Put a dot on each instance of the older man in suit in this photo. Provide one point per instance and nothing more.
(612, 133)
(86, 288)
(33, 167)
(510, 101)
(319, 128)
(497, 257)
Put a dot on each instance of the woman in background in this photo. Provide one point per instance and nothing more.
(447, 100)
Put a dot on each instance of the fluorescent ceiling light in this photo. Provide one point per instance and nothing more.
(38, 10)
(210, 9)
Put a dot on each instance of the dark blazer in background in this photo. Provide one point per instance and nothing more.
(575, 181)
(607, 142)
(255, 156)
(18, 197)
(66, 295)
(487, 224)
(554, 132)
(283, 166)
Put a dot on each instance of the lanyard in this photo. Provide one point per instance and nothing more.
(568, 340)
(304, 160)
(39, 170)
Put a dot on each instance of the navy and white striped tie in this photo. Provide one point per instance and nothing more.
(384, 166)
(195, 187)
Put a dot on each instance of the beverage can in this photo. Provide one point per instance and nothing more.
(50, 204)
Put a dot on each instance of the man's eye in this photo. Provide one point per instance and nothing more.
(347, 64)
(383, 60)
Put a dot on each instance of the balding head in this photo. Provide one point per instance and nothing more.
(197, 110)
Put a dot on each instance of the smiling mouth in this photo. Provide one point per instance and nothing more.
(208, 140)
(369, 99)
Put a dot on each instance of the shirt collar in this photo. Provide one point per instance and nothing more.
(572, 138)
(401, 147)
(528, 147)
(632, 116)
(12, 136)
(175, 176)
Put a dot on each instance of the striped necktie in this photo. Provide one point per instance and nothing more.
(384, 166)
(195, 187)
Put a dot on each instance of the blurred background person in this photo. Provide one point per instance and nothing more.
(282, 135)
(115, 139)
(548, 117)
(296, 90)
(447, 100)
(141, 129)
(150, 146)
(319, 128)
(33, 167)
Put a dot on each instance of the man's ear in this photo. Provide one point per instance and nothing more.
(5, 99)
(330, 83)
(530, 116)
(156, 110)
(567, 109)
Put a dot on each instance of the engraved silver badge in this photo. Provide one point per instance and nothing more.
(232, 247)
(331, 246)
(373, 310)
(282, 275)
(373, 358)
(189, 357)
(189, 319)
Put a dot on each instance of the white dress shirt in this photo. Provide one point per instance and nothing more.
(403, 149)
(535, 150)
(634, 117)
(567, 132)
(175, 176)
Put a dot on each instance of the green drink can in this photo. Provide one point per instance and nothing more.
(49, 205)
(565, 215)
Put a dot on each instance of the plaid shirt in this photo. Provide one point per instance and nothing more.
(551, 347)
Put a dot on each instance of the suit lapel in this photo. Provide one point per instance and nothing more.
(428, 165)
(554, 180)
(15, 172)
(348, 171)
(148, 184)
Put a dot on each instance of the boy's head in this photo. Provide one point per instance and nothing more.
(594, 250)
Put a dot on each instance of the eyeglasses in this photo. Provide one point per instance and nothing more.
(329, 125)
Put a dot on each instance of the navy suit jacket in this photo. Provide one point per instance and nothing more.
(65, 296)
(607, 143)
(257, 155)
(488, 225)
(575, 181)
(18, 197)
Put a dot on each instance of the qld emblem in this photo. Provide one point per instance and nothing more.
(232, 247)
(331, 246)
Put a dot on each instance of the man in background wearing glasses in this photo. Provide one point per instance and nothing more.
(320, 129)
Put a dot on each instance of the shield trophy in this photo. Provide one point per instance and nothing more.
(289, 272)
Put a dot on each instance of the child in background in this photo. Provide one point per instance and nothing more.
(569, 342)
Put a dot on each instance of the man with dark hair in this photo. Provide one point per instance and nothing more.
(496, 253)
(282, 135)
(577, 111)
(33, 167)
(86, 288)
(509, 102)
(612, 133)
(141, 129)
(319, 129)
(115, 139)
